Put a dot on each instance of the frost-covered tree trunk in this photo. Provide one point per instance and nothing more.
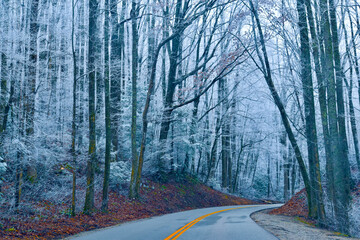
(355, 62)
(82, 73)
(117, 49)
(214, 152)
(337, 170)
(287, 178)
(90, 169)
(342, 174)
(349, 87)
(165, 33)
(31, 83)
(225, 138)
(73, 124)
(151, 38)
(233, 139)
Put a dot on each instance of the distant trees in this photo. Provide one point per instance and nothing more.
(266, 70)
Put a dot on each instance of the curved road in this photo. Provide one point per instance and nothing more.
(217, 223)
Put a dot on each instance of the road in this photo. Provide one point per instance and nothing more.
(217, 223)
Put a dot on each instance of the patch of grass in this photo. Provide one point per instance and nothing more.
(341, 234)
(10, 229)
(304, 221)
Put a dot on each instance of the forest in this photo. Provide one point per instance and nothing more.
(255, 98)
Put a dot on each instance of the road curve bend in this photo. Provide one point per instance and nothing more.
(217, 223)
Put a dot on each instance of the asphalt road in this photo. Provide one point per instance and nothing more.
(218, 223)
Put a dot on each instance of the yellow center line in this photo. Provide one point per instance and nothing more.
(180, 231)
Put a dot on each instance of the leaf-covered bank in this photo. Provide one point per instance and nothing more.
(47, 220)
(297, 207)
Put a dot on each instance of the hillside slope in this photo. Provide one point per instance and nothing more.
(50, 221)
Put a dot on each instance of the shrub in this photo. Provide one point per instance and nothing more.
(120, 172)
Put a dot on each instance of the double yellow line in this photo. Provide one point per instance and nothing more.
(180, 231)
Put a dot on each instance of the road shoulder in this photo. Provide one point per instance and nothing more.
(286, 228)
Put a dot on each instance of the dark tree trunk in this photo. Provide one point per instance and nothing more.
(317, 210)
(31, 83)
(90, 169)
(338, 170)
(225, 139)
(73, 127)
(357, 71)
(105, 196)
(134, 191)
(3, 93)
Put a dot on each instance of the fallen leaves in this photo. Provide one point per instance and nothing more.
(296, 206)
(156, 199)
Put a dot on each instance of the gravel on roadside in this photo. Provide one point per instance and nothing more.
(288, 228)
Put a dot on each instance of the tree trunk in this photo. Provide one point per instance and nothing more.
(4, 72)
(133, 192)
(357, 71)
(317, 210)
(268, 178)
(213, 151)
(18, 185)
(31, 84)
(105, 196)
(322, 94)
(349, 86)
(343, 162)
(225, 139)
(287, 178)
(117, 47)
(171, 85)
(90, 170)
(73, 127)
(338, 144)
(3, 93)
(7, 107)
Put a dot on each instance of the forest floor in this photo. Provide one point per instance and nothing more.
(50, 221)
(291, 221)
